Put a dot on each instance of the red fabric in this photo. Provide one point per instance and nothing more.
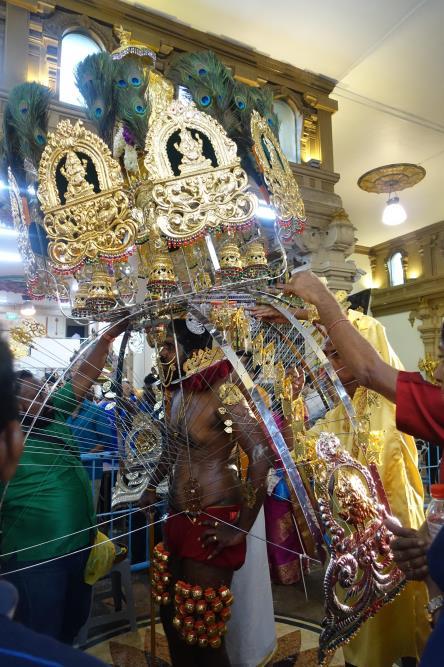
(200, 381)
(420, 409)
(181, 537)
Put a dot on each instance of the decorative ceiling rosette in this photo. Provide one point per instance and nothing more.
(281, 183)
(196, 182)
(87, 211)
(361, 576)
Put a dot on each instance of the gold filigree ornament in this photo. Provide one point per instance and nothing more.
(284, 191)
(87, 211)
(207, 190)
(361, 576)
(230, 394)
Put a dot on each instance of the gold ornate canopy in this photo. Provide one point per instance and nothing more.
(87, 211)
(284, 191)
(197, 182)
(391, 178)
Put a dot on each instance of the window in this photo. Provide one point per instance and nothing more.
(396, 269)
(290, 129)
(75, 47)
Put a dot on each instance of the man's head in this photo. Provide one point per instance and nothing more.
(148, 393)
(127, 388)
(187, 343)
(32, 397)
(338, 364)
(439, 372)
(11, 436)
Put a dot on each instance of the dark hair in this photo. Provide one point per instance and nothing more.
(188, 340)
(150, 379)
(8, 390)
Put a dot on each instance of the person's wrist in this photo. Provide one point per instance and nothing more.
(107, 338)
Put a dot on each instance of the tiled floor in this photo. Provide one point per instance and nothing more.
(297, 627)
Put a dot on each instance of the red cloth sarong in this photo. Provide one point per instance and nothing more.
(181, 535)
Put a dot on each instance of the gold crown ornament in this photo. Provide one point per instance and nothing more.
(201, 359)
(101, 292)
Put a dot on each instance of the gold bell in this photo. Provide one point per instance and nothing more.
(79, 308)
(161, 278)
(100, 293)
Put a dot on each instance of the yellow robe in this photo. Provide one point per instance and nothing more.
(400, 629)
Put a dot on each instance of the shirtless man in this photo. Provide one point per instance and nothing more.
(206, 542)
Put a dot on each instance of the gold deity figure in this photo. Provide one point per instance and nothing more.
(75, 173)
(191, 149)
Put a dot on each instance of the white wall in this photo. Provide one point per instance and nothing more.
(405, 339)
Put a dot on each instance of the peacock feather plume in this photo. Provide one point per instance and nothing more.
(95, 81)
(210, 84)
(25, 129)
(131, 99)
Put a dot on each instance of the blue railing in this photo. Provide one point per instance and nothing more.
(128, 522)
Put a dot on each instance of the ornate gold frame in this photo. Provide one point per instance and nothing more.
(203, 196)
(89, 225)
(284, 190)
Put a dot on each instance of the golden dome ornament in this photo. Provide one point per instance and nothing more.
(162, 279)
(231, 266)
(101, 292)
(255, 261)
(79, 308)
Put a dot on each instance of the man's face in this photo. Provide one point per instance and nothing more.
(346, 377)
(31, 396)
(127, 389)
(168, 358)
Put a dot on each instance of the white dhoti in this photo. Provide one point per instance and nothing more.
(251, 638)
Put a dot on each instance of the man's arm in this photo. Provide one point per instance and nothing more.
(160, 471)
(94, 361)
(361, 358)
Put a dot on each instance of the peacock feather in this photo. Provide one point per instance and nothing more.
(131, 99)
(25, 128)
(210, 84)
(95, 81)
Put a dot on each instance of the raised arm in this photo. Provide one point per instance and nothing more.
(361, 358)
(94, 361)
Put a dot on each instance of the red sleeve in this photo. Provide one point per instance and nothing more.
(419, 408)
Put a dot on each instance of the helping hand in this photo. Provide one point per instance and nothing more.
(220, 536)
(270, 314)
(305, 285)
(410, 548)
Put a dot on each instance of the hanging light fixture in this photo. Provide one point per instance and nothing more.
(27, 310)
(394, 213)
(391, 178)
